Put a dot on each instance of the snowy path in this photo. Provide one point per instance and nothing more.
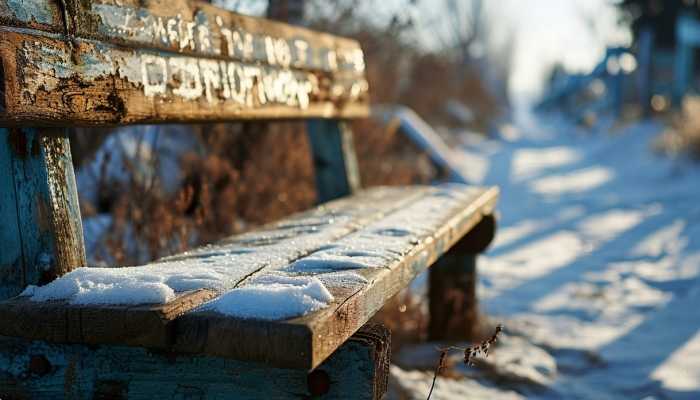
(595, 270)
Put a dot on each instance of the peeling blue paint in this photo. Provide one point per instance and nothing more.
(31, 10)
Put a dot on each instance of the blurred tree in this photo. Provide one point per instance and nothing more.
(661, 15)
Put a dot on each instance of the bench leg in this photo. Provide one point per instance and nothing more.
(41, 234)
(453, 305)
(39, 370)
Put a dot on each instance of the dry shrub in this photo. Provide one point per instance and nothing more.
(386, 158)
(400, 72)
(684, 134)
(435, 78)
(274, 166)
(248, 175)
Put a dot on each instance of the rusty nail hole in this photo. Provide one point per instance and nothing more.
(39, 365)
(318, 382)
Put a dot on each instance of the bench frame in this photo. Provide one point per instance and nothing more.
(42, 236)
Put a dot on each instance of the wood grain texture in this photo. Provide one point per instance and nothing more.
(174, 61)
(150, 325)
(296, 343)
(40, 370)
(306, 341)
(42, 233)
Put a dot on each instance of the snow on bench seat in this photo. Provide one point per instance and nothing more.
(287, 294)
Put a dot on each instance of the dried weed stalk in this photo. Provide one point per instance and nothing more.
(481, 349)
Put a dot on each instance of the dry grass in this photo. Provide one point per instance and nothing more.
(249, 174)
(480, 349)
(683, 135)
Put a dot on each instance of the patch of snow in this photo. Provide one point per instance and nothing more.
(415, 385)
(516, 361)
(665, 240)
(141, 153)
(681, 371)
(345, 280)
(530, 162)
(107, 286)
(610, 224)
(273, 297)
(568, 331)
(606, 300)
(29, 291)
(574, 182)
(516, 232)
(95, 229)
(533, 260)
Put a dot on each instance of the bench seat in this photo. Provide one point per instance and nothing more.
(351, 254)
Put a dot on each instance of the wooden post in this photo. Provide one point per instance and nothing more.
(39, 370)
(41, 235)
(453, 305)
(335, 163)
(333, 152)
(645, 49)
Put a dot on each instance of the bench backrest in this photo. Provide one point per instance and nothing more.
(66, 63)
(98, 63)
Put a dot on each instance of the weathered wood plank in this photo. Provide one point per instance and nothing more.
(42, 233)
(198, 28)
(189, 27)
(384, 237)
(88, 83)
(173, 61)
(335, 162)
(305, 342)
(39, 370)
(272, 246)
(37, 14)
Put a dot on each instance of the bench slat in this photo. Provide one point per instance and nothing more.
(170, 61)
(305, 342)
(387, 236)
(273, 246)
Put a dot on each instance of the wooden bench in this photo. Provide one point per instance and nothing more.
(279, 312)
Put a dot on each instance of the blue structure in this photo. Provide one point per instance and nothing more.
(687, 39)
(564, 92)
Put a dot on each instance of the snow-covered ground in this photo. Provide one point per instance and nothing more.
(595, 271)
